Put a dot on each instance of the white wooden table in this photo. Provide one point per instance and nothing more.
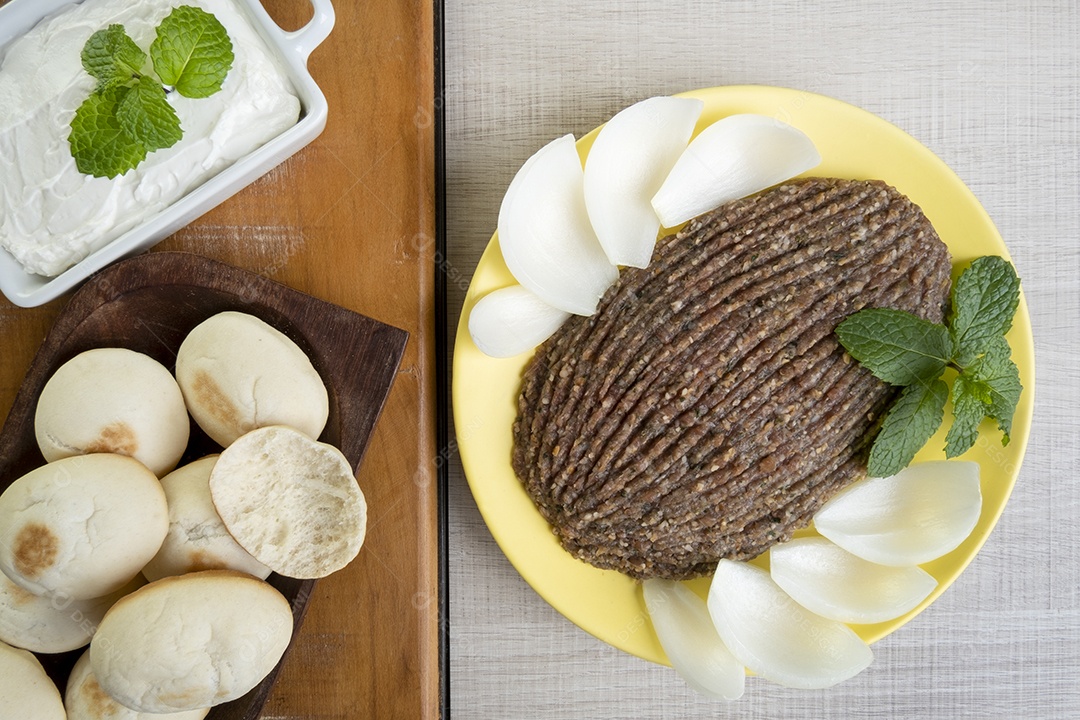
(993, 89)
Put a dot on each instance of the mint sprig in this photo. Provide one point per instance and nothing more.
(907, 351)
(128, 114)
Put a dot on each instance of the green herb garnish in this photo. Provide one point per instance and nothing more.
(192, 52)
(910, 352)
(128, 115)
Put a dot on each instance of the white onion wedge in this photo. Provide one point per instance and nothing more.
(627, 164)
(686, 632)
(732, 158)
(545, 235)
(828, 580)
(511, 321)
(913, 517)
(777, 638)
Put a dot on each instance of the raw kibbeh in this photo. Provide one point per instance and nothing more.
(706, 410)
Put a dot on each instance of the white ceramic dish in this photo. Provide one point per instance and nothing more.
(292, 49)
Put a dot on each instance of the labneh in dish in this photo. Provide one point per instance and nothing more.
(706, 410)
(51, 214)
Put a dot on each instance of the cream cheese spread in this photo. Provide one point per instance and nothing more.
(51, 215)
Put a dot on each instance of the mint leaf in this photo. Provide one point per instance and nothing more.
(969, 409)
(112, 57)
(990, 387)
(192, 52)
(896, 346)
(913, 418)
(1000, 377)
(146, 116)
(984, 300)
(98, 142)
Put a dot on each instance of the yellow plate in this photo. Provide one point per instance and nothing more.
(853, 144)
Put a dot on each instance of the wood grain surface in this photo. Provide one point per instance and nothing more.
(351, 220)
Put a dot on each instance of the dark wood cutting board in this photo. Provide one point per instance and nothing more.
(149, 304)
(350, 220)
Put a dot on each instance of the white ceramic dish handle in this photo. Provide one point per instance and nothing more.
(306, 39)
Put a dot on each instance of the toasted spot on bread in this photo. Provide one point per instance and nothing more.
(19, 595)
(201, 560)
(117, 438)
(99, 702)
(180, 699)
(36, 548)
(213, 400)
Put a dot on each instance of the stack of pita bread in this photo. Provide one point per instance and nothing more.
(165, 579)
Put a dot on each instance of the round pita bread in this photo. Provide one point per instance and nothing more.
(292, 502)
(52, 623)
(25, 690)
(238, 373)
(81, 527)
(113, 400)
(197, 539)
(85, 700)
(191, 641)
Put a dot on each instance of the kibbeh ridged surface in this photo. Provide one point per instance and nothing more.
(706, 410)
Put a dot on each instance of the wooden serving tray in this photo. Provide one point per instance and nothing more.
(350, 220)
(149, 304)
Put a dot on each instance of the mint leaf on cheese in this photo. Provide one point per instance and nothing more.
(111, 57)
(192, 52)
(129, 115)
(98, 142)
(896, 346)
(913, 418)
(984, 300)
(147, 117)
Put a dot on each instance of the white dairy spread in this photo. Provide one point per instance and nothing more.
(51, 215)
